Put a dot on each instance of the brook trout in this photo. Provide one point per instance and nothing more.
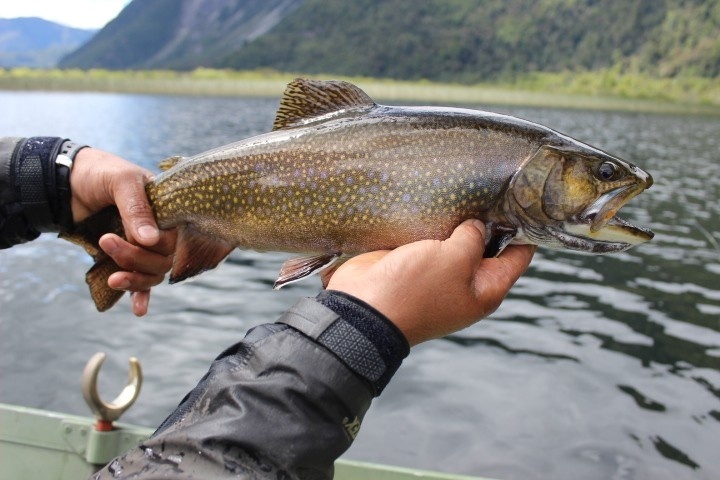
(340, 175)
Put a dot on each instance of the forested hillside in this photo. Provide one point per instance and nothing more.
(449, 40)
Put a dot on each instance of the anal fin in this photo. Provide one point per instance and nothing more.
(300, 267)
(196, 252)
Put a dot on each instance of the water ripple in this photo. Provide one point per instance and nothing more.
(593, 368)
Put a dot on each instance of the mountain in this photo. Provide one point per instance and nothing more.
(451, 40)
(179, 34)
(34, 42)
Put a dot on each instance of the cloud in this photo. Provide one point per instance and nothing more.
(74, 13)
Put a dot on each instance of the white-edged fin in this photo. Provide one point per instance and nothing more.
(300, 267)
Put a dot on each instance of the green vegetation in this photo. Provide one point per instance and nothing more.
(164, 82)
(452, 41)
(470, 41)
(607, 89)
(658, 55)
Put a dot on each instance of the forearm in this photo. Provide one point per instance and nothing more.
(34, 187)
(283, 401)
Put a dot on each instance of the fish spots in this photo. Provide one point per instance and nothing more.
(389, 178)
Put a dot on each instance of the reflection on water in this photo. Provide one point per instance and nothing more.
(594, 367)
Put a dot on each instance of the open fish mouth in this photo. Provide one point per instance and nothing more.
(599, 222)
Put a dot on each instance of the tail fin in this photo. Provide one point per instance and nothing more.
(87, 234)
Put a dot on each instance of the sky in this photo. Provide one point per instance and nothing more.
(89, 14)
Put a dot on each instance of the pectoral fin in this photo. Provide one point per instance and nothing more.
(498, 237)
(301, 267)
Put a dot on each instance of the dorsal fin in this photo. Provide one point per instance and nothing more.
(305, 99)
(168, 163)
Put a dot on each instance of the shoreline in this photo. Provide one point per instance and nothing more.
(272, 84)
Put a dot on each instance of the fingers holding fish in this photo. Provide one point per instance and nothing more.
(495, 276)
(142, 267)
(135, 210)
(352, 268)
(100, 179)
(476, 284)
(397, 282)
(140, 302)
(138, 284)
(134, 281)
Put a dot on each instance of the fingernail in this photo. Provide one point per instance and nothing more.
(110, 245)
(147, 232)
(479, 225)
(123, 285)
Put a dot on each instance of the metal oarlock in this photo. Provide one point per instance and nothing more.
(106, 413)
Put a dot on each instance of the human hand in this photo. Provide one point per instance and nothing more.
(100, 179)
(432, 288)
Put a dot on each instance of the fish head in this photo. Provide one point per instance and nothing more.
(568, 197)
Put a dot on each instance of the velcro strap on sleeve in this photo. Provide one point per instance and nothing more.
(35, 178)
(366, 341)
(41, 172)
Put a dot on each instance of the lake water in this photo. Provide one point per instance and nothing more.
(593, 368)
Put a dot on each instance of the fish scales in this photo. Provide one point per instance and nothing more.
(336, 186)
(340, 175)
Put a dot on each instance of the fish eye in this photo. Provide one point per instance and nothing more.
(608, 171)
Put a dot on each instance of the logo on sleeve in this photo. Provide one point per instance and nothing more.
(352, 427)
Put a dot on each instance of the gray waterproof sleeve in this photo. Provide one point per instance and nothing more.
(34, 187)
(284, 403)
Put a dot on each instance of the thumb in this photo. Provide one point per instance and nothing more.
(136, 212)
(469, 239)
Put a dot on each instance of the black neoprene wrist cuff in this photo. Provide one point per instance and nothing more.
(363, 338)
(41, 174)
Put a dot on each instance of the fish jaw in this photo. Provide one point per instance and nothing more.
(599, 230)
(617, 235)
(600, 223)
